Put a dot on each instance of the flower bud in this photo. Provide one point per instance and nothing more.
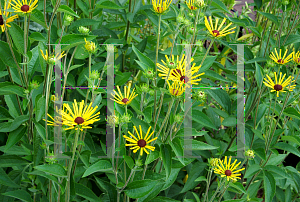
(172, 65)
(34, 84)
(149, 73)
(51, 60)
(271, 74)
(83, 30)
(255, 50)
(178, 118)
(151, 92)
(126, 118)
(191, 30)
(90, 46)
(26, 91)
(201, 14)
(213, 162)
(200, 96)
(186, 22)
(95, 75)
(180, 19)
(250, 154)
(113, 120)
(139, 163)
(145, 88)
(68, 19)
(199, 3)
(270, 63)
(50, 158)
(43, 145)
(285, 2)
(191, 14)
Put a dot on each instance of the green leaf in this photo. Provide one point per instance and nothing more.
(37, 36)
(220, 5)
(54, 169)
(83, 22)
(258, 3)
(177, 148)
(41, 130)
(154, 192)
(292, 39)
(270, 16)
(18, 121)
(280, 172)
(109, 189)
(15, 137)
(258, 74)
(203, 119)
(38, 17)
(252, 169)
(122, 78)
(287, 147)
(6, 181)
(163, 199)
(74, 40)
(99, 166)
(221, 97)
(269, 186)
(238, 186)
(6, 55)
(11, 160)
(292, 138)
(229, 121)
(236, 200)
(209, 60)
(166, 153)
(40, 108)
(172, 178)
(197, 145)
(180, 133)
(201, 178)
(144, 59)
(17, 35)
(129, 161)
(66, 9)
(261, 153)
(108, 5)
(151, 157)
(19, 194)
(140, 188)
(45, 175)
(7, 88)
(291, 112)
(86, 193)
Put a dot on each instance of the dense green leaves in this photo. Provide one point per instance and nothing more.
(99, 166)
(140, 188)
(54, 169)
(269, 186)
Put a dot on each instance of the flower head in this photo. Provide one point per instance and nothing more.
(281, 60)
(51, 59)
(180, 74)
(34, 84)
(225, 169)
(80, 117)
(250, 154)
(126, 99)
(191, 4)
(90, 46)
(161, 6)
(199, 3)
(279, 85)
(5, 13)
(216, 31)
(296, 57)
(140, 142)
(176, 89)
(24, 6)
(83, 30)
(213, 162)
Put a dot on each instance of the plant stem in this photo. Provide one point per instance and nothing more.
(210, 45)
(207, 184)
(67, 197)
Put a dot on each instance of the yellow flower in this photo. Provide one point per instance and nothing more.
(179, 73)
(216, 31)
(5, 13)
(140, 142)
(23, 6)
(126, 99)
(225, 169)
(281, 60)
(51, 59)
(176, 89)
(191, 4)
(279, 85)
(161, 6)
(90, 46)
(296, 57)
(80, 117)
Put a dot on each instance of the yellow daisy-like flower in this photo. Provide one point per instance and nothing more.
(126, 99)
(191, 4)
(140, 142)
(51, 59)
(176, 89)
(161, 6)
(179, 73)
(90, 46)
(225, 169)
(80, 117)
(281, 60)
(5, 13)
(215, 31)
(24, 6)
(279, 85)
(296, 57)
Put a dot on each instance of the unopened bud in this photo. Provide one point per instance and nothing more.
(250, 154)
(83, 30)
(95, 75)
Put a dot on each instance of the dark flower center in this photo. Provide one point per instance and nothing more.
(79, 120)
(25, 8)
(297, 58)
(176, 70)
(175, 92)
(280, 61)
(278, 87)
(216, 32)
(159, 8)
(192, 7)
(125, 100)
(182, 78)
(141, 143)
(1, 20)
(227, 172)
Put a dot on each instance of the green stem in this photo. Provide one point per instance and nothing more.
(210, 45)
(207, 184)
(67, 197)
(212, 198)
(166, 117)
(90, 64)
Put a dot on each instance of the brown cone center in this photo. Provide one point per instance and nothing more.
(25, 8)
(280, 61)
(297, 58)
(182, 78)
(79, 120)
(227, 172)
(216, 32)
(176, 70)
(125, 100)
(1, 20)
(175, 92)
(192, 7)
(278, 87)
(141, 143)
